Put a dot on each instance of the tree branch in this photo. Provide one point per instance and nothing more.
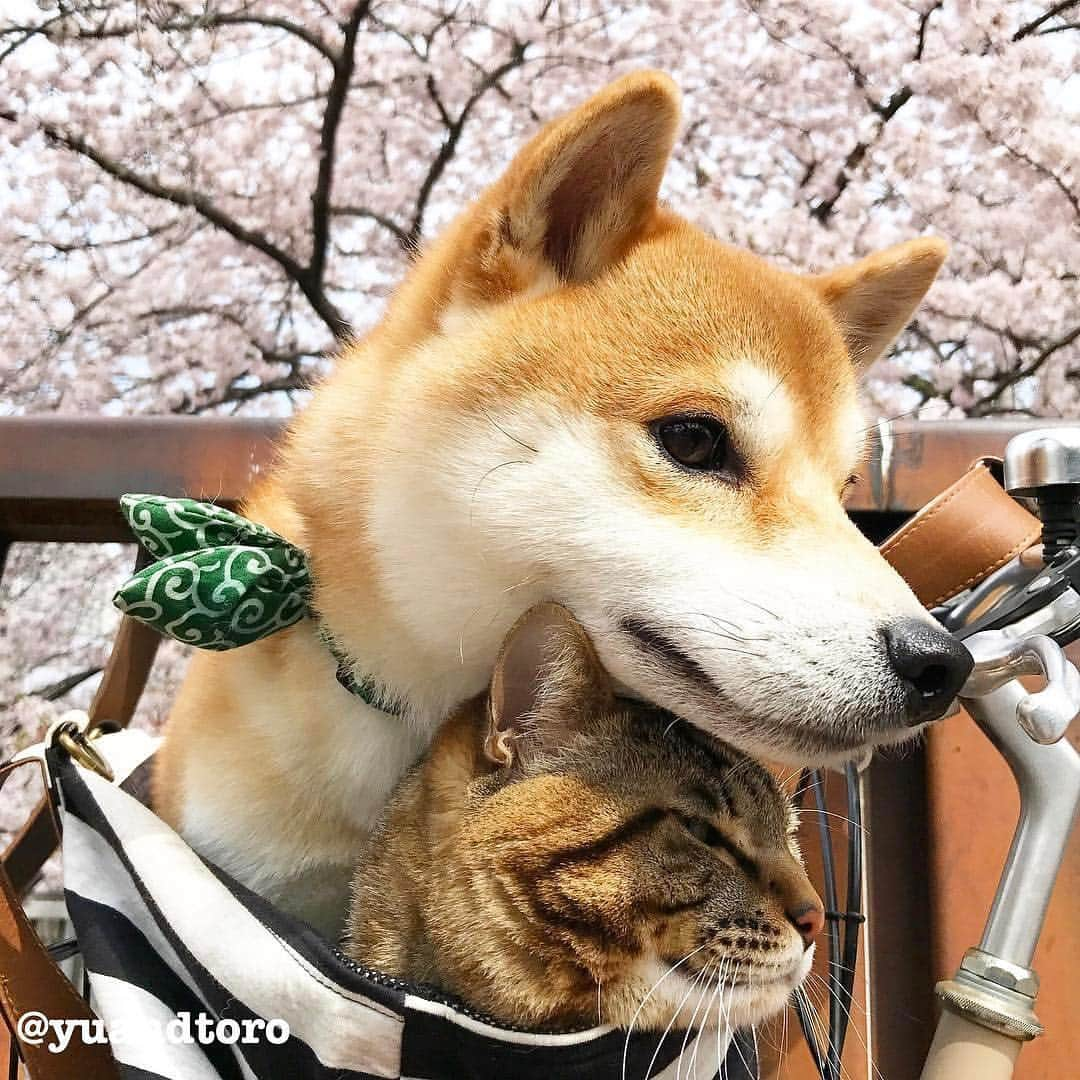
(238, 395)
(823, 210)
(65, 685)
(399, 234)
(1043, 170)
(454, 128)
(92, 245)
(207, 20)
(1031, 27)
(984, 405)
(335, 105)
(924, 22)
(195, 200)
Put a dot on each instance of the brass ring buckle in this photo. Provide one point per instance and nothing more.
(73, 740)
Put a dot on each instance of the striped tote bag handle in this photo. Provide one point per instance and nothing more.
(33, 986)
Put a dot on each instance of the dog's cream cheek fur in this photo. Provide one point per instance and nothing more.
(314, 783)
(506, 525)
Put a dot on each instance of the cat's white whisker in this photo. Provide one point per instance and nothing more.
(644, 1001)
(817, 1024)
(829, 976)
(851, 1020)
(719, 1021)
(803, 811)
(753, 1027)
(730, 1031)
(706, 982)
(734, 1040)
(671, 1023)
(782, 1049)
(702, 1032)
(689, 1028)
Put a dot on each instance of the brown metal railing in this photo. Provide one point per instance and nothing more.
(61, 477)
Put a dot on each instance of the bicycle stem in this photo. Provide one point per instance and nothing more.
(1048, 779)
(989, 1004)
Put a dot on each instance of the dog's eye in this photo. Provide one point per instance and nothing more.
(704, 831)
(697, 442)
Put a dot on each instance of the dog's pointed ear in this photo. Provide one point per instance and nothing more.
(547, 677)
(874, 299)
(579, 193)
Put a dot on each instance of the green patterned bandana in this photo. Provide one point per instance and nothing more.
(221, 581)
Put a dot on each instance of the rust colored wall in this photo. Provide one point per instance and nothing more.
(973, 806)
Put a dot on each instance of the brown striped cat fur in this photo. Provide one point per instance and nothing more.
(559, 849)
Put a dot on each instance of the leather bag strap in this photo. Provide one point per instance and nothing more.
(964, 534)
(30, 982)
(118, 695)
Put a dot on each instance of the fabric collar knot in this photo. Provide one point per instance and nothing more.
(222, 581)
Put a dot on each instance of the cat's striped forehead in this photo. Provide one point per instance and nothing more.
(643, 751)
(742, 786)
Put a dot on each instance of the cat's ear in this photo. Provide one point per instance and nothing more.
(874, 299)
(547, 677)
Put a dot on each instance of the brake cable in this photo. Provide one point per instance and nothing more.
(841, 926)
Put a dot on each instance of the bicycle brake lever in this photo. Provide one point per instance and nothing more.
(999, 658)
(1057, 578)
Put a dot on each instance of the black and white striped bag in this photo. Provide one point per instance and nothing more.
(197, 978)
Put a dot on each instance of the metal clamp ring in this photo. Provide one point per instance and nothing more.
(70, 737)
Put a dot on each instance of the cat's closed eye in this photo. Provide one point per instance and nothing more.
(702, 829)
(705, 831)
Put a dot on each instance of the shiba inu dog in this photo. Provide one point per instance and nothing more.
(574, 396)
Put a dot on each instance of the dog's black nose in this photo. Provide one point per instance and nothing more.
(933, 664)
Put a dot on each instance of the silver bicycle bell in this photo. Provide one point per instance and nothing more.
(1045, 465)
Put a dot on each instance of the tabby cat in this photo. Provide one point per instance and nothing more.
(559, 849)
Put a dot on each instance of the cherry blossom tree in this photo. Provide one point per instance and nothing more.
(202, 198)
(206, 195)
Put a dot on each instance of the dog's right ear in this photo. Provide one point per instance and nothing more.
(875, 298)
(547, 677)
(578, 195)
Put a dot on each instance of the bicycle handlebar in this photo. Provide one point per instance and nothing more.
(1025, 620)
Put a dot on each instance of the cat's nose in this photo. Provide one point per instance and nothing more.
(808, 919)
(798, 899)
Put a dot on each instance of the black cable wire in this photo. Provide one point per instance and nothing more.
(843, 950)
(802, 1002)
(854, 901)
(832, 1053)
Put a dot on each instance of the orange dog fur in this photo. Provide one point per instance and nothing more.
(493, 443)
